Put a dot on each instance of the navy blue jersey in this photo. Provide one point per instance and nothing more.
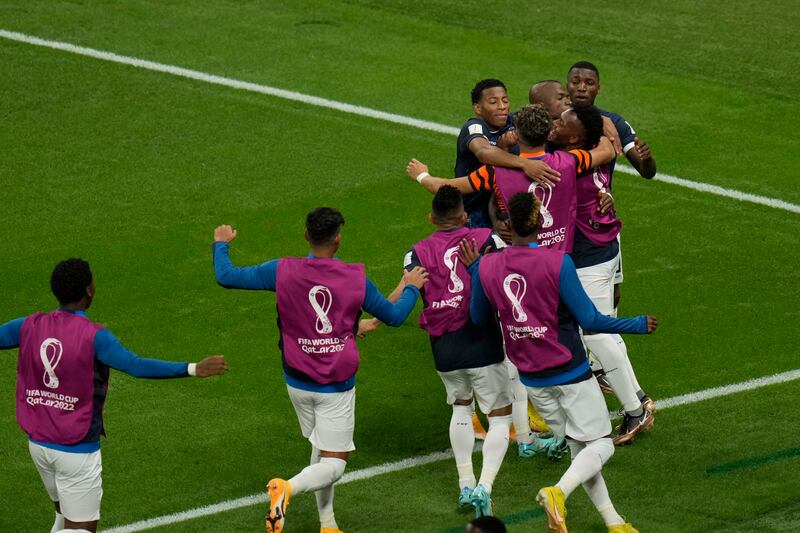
(626, 135)
(477, 204)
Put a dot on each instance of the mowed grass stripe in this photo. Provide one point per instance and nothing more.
(413, 462)
(353, 109)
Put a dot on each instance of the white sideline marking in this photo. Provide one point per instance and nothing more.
(353, 109)
(261, 497)
(412, 462)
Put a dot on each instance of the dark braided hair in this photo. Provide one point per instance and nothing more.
(523, 210)
(70, 279)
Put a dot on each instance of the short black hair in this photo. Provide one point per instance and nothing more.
(533, 124)
(323, 224)
(592, 122)
(489, 524)
(482, 85)
(70, 279)
(523, 210)
(447, 203)
(587, 65)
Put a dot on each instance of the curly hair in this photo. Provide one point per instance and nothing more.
(523, 210)
(477, 91)
(447, 203)
(592, 122)
(533, 124)
(323, 224)
(69, 280)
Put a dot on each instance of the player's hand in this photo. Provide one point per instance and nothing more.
(469, 251)
(507, 140)
(224, 233)
(414, 168)
(540, 172)
(642, 148)
(214, 365)
(610, 131)
(367, 325)
(417, 277)
(652, 324)
(606, 202)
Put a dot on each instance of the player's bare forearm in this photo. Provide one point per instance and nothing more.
(641, 158)
(536, 170)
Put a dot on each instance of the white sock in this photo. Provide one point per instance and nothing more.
(628, 367)
(519, 412)
(324, 498)
(462, 440)
(74, 531)
(317, 476)
(586, 463)
(58, 523)
(615, 363)
(494, 449)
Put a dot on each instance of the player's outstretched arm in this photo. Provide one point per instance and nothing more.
(10, 332)
(641, 158)
(419, 171)
(368, 325)
(394, 314)
(258, 277)
(110, 351)
(587, 315)
(536, 170)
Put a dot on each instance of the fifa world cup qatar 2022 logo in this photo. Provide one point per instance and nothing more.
(544, 193)
(50, 352)
(514, 285)
(451, 262)
(320, 298)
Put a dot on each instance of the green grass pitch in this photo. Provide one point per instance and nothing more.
(132, 170)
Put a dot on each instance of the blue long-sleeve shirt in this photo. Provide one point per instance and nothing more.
(572, 294)
(265, 275)
(109, 351)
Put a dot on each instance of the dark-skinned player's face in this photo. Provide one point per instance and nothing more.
(555, 99)
(567, 129)
(493, 107)
(583, 86)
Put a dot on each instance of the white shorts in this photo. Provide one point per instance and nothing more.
(72, 479)
(327, 419)
(618, 274)
(490, 385)
(577, 411)
(598, 282)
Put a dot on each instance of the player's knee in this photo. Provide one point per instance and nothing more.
(604, 448)
(500, 420)
(335, 466)
(460, 410)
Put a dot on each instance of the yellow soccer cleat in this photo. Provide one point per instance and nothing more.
(480, 433)
(334, 530)
(279, 492)
(536, 421)
(552, 501)
(622, 528)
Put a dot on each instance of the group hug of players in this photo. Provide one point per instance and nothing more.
(517, 280)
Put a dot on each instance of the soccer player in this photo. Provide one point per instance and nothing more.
(583, 85)
(525, 284)
(552, 95)
(62, 382)
(486, 139)
(558, 203)
(469, 359)
(595, 252)
(319, 300)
